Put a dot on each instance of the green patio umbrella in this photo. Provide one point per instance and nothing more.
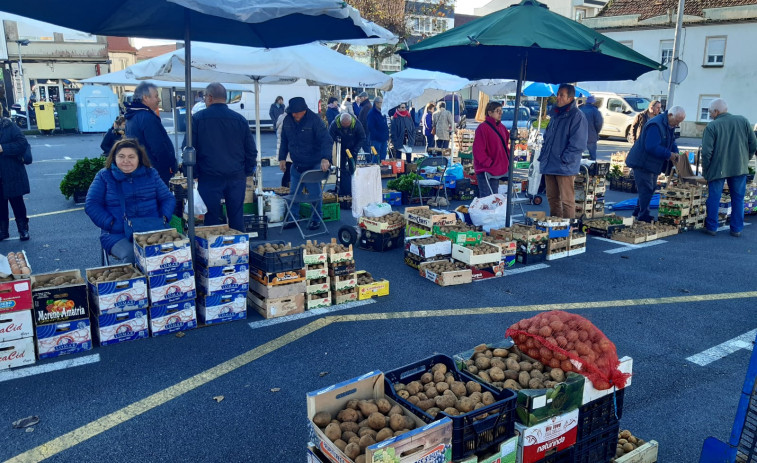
(528, 40)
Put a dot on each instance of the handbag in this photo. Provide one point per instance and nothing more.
(28, 154)
(433, 130)
(138, 224)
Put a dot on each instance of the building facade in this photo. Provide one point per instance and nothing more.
(715, 45)
(573, 9)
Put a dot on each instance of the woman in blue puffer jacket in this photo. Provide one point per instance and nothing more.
(144, 194)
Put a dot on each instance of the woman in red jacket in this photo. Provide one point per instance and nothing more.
(491, 150)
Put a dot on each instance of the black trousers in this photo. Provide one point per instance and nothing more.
(286, 178)
(17, 203)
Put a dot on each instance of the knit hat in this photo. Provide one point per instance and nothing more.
(591, 100)
(296, 105)
(363, 95)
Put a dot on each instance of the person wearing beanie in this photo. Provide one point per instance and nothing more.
(332, 110)
(594, 122)
(305, 139)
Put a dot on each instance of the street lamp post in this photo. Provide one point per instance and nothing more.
(24, 42)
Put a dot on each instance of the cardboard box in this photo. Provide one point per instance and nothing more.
(503, 234)
(376, 289)
(310, 259)
(63, 338)
(463, 238)
(342, 282)
(413, 229)
(439, 217)
(318, 288)
(16, 325)
(426, 443)
(338, 257)
(224, 279)
(172, 287)
(554, 435)
(413, 260)
(277, 291)
(223, 246)
(456, 277)
(441, 248)
(174, 317)
(59, 303)
(376, 226)
(464, 254)
(112, 328)
(508, 261)
(271, 308)
(15, 295)
(538, 405)
(528, 234)
(343, 268)
(506, 453)
(17, 353)
(220, 308)
(315, 301)
(167, 257)
(344, 298)
(591, 394)
(279, 278)
(493, 271)
(117, 296)
(314, 271)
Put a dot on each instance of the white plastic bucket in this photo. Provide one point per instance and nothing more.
(275, 209)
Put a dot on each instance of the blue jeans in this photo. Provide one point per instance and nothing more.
(381, 147)
(315, 194)
(429, 142)
(737, 187)
(213, 189)
(123, 250)
(646, 182)
(592, 148)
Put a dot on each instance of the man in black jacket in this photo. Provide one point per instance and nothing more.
(349, 130)
(307, 142)
(143, 123)
(365, 108)
(226, 155)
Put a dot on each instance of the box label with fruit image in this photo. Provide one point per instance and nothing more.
(59, 297)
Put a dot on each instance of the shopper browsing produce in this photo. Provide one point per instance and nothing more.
(491, 150)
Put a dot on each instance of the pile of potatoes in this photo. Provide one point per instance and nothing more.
(58, 281)
(441, 266)
(18, 264)
(344, 292)
(272, 248)
(329, 197)
(313, 247)
(460, 227)
(427, 213)
(511, 369)
(114, 274)
(282, 191)
(598, 224)
(335, 248)
(393, 218)
(317, 296)
(483, 248)
(627, 442)
(318, 281)
(429, 240)
(439, 391)
(365, 278)
(362, 423)
(158, 238)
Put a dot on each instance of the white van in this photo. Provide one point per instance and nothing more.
(618, 111)
(244, 102)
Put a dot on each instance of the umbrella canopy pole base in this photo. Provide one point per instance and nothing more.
(518, 90)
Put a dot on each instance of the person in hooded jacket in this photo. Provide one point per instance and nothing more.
(143, 123)
(127, 179)
(560, 159)
(14, 183)
(491, 150)
(402, 131)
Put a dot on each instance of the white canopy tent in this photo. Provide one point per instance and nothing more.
(122, 78)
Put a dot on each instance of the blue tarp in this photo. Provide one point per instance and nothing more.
(629, 204)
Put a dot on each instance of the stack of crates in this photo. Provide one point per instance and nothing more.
(61, 314)
(16, 328)
(532, 244)
(170, 280)
(277, 281)
(558, 234)
(317, 281)
(683, 206)
(119, 302)
(342, 276)
(590, 195)
(750, 199)
(223, 257)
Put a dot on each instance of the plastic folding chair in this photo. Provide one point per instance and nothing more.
(436, 162)
(311, 176)
(104, 257)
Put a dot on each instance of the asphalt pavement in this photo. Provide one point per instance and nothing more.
(153, 400)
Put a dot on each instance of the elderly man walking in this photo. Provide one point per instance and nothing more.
(728, 143)
(349, 132)
(647, 157)
(564, 143)
(143, 123)
(643, 117)
(226, 155)
(594, 122)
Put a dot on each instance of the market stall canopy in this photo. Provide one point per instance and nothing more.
(540, 89)
(247, 65)
(120, 78)
(273, 23)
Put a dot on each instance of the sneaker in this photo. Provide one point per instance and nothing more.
(314, 226)
(735, 234)
(709, 232)
(288, 226)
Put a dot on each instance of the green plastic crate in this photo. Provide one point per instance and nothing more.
(331, 212)
(247, 208)
(177, 223)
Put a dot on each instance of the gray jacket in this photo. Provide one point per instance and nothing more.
(564, 141)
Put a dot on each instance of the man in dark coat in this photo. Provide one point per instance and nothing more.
(226, 155)
(643, 117)
(362, 116)
(656, 144)
(306, 140)
(349, 131)
(277, 109)
(560, 158)
(143, 123)
(332, 110)
(594, 122)
(402, 132)
(14, 183)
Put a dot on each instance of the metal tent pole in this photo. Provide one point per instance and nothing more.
(259, 188)
(519, 88)
(189, 154)
(175, 122)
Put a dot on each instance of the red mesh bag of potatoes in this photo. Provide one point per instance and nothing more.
(572, 343)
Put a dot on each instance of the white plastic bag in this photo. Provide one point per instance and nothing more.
(377, 210)
(200, 207)
(489, 212)
(366, 188)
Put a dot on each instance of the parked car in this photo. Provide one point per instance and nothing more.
(533, 105)
(458, 111)
(525, 120)
(471, 108)
(618, 111)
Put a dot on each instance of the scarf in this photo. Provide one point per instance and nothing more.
(404, 113)
(563, 109)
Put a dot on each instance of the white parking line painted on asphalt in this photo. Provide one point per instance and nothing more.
(43, 214)
(310, 313)
(704, 358)
(55, 175)
(66, 158)
(631, 247)
(528, 268)
(46, 368)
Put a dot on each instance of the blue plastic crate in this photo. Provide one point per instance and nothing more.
(599, 448)
(469, 434)
(393, 198)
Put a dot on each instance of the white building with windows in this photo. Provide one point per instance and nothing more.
(715, 45)
(573, 9)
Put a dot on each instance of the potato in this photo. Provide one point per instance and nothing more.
(397, 422)
(384, 434)
(483, 363)
(526, 366)
(395, 410)
(458, 387)
(472, 369)
(451, 411)
(534, 383)
(413, 399)
(347, 414)
(485, 376)
(426, 404)
(421, 396)
(439, 367)
(557, 375)
(536, 374)
(376, 421)
(465, 405)
(433, 411)
(487, 398)
(404, 394)
(383, 406)
(366, 431)
(512, 364)
(500, 352)
(360, 459)
(322, 419)
(625, 434)
(628, 447)
(445, 401)
(366, 441)
(499, 363)
(414, 387)
(333, 432)
(432, 392)
(512, 384)
(438, 376)
(472, 386)
(366, 408)
(524, 378)
(427, 378)
(441, 387)
(511, 374)
(348, 426)
(340, 444)
(352, 450)
(496, 374)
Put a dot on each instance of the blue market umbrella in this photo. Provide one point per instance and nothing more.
(257, 23)
(528, 40)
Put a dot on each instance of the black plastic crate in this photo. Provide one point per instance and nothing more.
(469, 434)
(564, 456)
(599, 168)
(279, 261)
(600, 414)
(256, 224)
(599, 448)
(381, 242)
